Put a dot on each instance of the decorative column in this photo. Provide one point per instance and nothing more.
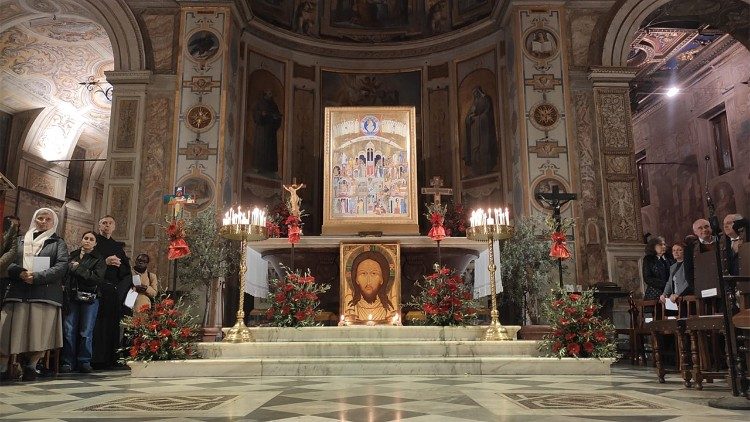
(123, 169)
(622, 213)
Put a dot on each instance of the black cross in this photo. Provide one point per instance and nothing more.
(556, 200)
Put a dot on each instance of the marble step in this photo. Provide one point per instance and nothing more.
(368, 349)
(513, 365)
(379, 333)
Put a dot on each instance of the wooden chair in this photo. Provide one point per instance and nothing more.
(661, 326)
(641, 310)
(633, 351)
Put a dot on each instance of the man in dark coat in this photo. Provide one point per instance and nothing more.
(117, 281)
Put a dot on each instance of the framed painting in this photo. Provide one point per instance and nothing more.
(28, 201)
(370, 282)
(369, 171)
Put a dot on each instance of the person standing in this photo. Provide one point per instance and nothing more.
(85, 274)
(8, 251)
(31, 317)
(117, 281)
(149, 283)
(655, 267)
(735, 234)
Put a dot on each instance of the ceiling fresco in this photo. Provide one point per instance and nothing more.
(371, 20)
(46, 49)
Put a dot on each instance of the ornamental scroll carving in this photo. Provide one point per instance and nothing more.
(622, 224)
(613, 119)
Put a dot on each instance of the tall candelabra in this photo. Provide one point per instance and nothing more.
(244, 227)
(486, 228)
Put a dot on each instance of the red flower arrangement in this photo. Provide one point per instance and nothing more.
(455, 220)
(161, 332)
(446, 299)
(578, 331)
(294, 300)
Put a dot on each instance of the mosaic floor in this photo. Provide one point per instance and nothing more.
(628, 394)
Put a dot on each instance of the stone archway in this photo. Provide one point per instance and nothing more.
(627, 16)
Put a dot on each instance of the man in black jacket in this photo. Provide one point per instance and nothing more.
(117, 281)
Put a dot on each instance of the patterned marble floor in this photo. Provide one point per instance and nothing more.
(628, 394)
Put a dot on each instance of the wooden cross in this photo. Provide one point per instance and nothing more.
(437, 190)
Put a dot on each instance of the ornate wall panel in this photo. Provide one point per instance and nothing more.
(120, 206)
(593, 257)
(615, 134)
(125, 127)
(204, 38)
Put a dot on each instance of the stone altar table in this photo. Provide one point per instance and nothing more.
(321, 255)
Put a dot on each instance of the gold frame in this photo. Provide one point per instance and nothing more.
(348, 252)
(391, 223)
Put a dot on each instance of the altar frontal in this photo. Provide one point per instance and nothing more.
(370, 171)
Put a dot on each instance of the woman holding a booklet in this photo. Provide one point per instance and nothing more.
(31, 317)
(86, 273)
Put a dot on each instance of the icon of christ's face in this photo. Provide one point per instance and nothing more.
(369, 278)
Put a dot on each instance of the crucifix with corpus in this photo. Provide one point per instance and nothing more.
(556, 200)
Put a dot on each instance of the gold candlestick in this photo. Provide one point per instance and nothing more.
(490, 233)
(239, 333)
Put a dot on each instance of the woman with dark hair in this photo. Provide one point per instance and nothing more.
(370, 283)
(31, 317)
(677, 285)
(85, 274)
(655, 267)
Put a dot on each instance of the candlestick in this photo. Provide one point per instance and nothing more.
(238, 225)
(488, 228)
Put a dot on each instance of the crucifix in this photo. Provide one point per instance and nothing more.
(556, 200)
(437, 190)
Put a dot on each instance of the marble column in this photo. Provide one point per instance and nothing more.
(617, 170)
(121, 174)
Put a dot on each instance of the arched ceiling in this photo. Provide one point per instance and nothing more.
(371, 21)
(46, 49)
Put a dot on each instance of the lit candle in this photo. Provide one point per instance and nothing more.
(507, 216)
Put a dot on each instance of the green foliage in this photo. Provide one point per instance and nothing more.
(579, 331)
(526, 264)
(208, 252)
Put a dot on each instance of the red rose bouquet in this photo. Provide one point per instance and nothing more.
(578, 330)
(163, 332)
(445, 299)
(294, 300)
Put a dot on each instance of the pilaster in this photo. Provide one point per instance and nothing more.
(121, 181)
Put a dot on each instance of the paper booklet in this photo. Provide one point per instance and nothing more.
(130, 299)
(40, 263)
(136, 280)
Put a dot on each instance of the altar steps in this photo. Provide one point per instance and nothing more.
(361, 350)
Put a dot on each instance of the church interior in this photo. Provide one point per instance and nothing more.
(154, 112)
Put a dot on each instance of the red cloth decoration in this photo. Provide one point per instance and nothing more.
(178, 247)
(294, 234)
(437, 232)
(292, 222)
(559, 250)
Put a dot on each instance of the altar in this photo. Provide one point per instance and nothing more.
(320, 254)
